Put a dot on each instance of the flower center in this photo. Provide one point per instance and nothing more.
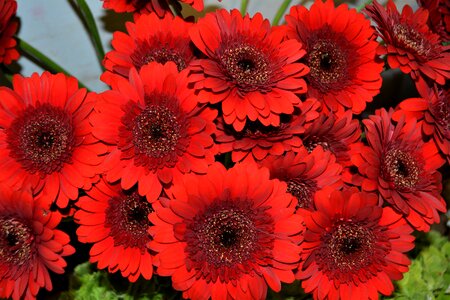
(311, 142)
(127, 216)
(401, 169)
(156, 131)
(328, 65)
(147, 52)
(246, 65)
(228, 234)
(411, 40)
(441, 112)
(349, 247)
(303, 190)
(41, 138)
(16, 241)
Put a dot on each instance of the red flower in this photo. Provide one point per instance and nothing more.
(352, 248)
(160, 7)
(227, 234)
(256, 141)
(439, 18)
(45, 137)
(334, 133)
(149, 39)
(116, 222)
(433, 113)
(341, 52)
(408, 42)
(8, 28)
(155, 128)
(250, 69)
(402, 168)
(305, 173)
(29, 245)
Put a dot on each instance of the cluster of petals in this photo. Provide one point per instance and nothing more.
(352, 247)
(409, 44)
(439, 17)
(402, 168)
(45, 137)
(250, 69)
(227, 234)
(116, 223)
(341, 54)
(160, 7)
(255, 142)
(8, 28)
(154, 128)
(148, 39)
(30, 245)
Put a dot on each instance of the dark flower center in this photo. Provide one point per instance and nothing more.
(349, 247)
(311, 142)
(303, 190)
(16, 241)
(226, 235)
(156, 131)
(328, 65)
(41, 138)
(147, 52)
(411, 40)
(127, 216)
(246, 65)
(400, 168)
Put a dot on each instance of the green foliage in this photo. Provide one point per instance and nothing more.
(429, 274)
(87, 283)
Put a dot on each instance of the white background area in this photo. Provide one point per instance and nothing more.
(53, 27)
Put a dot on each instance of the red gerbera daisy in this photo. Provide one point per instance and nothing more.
(155, 127)
(256, 141)
(402, 168)
(8, 28)
(439, 18)
(29, 245)
(305, 173)
(334, 133)
(352, 248)
(149, 39)
(45, 137)
(341, 51)
(227, 235)
(116, 222)
(408, 42)
(250, 69)
(433, 113)
(160, 7)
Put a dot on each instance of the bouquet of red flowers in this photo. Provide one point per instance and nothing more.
(230, 157)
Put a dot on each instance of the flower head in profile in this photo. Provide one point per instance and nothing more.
(402, 169)
(352, 248)
(155, 129)
(341, 54)
(250, 69)
(148, 39)
(305, 173)
(432, 112)
(8, 28)
(256, 141)
(30, 245)
(46, 140)
(160, 7)
(409, 43)
(229, 233)
(116, 222)
(439, 16)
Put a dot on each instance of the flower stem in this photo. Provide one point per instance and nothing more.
(42, 60)
(281, 10)
(89, 20)
(175, 8)
(244, 5)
